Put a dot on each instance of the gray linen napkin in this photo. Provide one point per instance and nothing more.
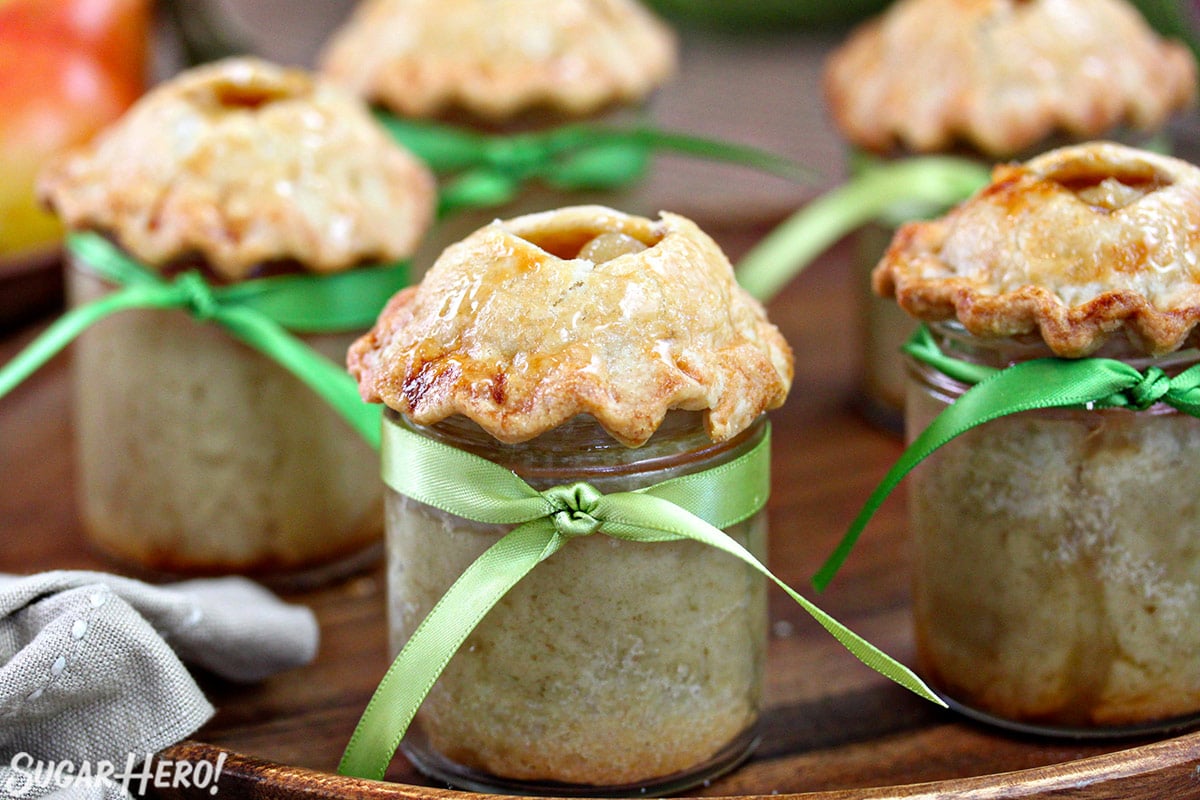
(91, 672)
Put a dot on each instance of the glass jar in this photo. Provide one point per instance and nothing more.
(614, 667)
(1056, 568)
(199, 455)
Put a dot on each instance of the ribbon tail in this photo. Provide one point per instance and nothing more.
(436, 640)
(601, 157)
(323, 376)
(729, 152)
(67, 327)
(641, 517)
(923, 347)
(792, 246)
(1042, 383)
(863, 650)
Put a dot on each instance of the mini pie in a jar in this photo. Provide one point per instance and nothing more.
(990, 80)
(1054, 555)
(196, 453)
(582, 344)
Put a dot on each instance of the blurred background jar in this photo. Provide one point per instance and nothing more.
(198, 454)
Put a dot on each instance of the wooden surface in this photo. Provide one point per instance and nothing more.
(831, 724)
(832, 727)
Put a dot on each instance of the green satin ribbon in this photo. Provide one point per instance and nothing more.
(490, 170)
(1085, 383)
(881, 189)
(695, 507)
(259, 313)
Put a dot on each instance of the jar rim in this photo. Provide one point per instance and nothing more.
(680, 444)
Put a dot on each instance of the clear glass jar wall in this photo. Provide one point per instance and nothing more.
(1056, 567)
(198, 455)
(614, 667)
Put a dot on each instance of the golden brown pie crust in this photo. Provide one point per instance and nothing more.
(426, 58)
(514, 331)
(1077, 244)
(1002, 75)
(242, 162)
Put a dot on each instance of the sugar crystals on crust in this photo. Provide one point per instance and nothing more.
(531, 321)
(242, 162)
(1077, 244)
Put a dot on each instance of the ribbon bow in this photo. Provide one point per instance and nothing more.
(490, 170)
(258, 312)
(1085, 383)
(575, 509)
(694, 507)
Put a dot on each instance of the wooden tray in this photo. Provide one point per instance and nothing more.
(1152, 772)
(832, 728)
